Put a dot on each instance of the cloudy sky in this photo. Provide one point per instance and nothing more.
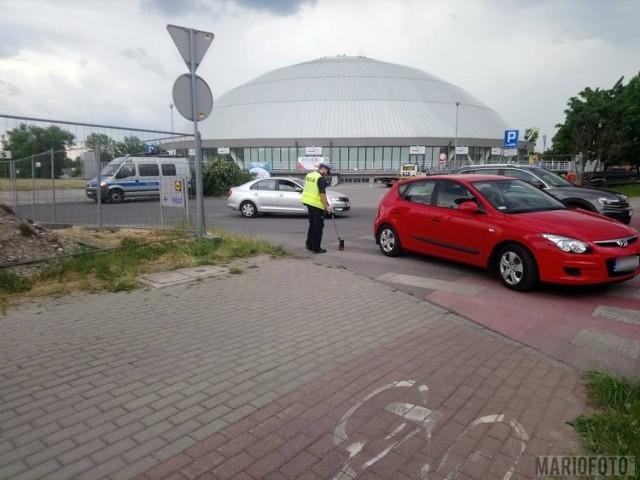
(113, 62)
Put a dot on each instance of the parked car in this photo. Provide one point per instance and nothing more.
(605, 202)
(278, 195)
(507, 226)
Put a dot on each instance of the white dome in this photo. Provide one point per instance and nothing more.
(348, 98)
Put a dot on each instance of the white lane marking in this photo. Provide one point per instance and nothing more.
(620, 314)
(607, 343)
(431, 283)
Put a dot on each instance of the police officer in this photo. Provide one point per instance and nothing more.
(314, 196)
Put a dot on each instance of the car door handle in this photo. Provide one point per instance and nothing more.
(436, 219)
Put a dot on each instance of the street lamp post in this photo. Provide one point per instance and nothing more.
(455, 142)
(171, 107)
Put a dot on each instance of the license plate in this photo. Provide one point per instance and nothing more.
(626, 264)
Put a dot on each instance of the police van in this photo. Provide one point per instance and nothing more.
(137, 176)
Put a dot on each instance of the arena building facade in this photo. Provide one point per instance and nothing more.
(362, 115)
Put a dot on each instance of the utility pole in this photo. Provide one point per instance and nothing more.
(171, 107)
(455, 144)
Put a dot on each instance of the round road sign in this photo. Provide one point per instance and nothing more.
(182, 97)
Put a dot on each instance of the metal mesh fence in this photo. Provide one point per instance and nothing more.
(52, 163)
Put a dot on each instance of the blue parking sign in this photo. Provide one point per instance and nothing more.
(511, 138)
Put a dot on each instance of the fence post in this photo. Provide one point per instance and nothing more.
(53, 185)
(98, 186)
(14, 184)
(33, 189)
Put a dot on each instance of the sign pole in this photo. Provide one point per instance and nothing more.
(192, 45)
(196, 136)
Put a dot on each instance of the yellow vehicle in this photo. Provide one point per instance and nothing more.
(407, 170)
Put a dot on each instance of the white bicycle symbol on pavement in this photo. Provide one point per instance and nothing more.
(418, 418)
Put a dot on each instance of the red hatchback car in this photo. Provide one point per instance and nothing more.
(507, 226)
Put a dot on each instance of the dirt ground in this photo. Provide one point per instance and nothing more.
(23, 243)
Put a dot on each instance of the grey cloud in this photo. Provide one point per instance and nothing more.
(613, 21)
(171, 7)
(142, 58)
(217, 7)
(9, 88)
(277, 7)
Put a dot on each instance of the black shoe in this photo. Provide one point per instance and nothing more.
(308, 247)
(320, 250)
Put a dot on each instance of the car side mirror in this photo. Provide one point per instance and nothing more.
(298, 189)
(469, 207)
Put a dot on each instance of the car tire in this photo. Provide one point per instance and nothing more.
(388, 241)
(116, 196)
(517, 268)
(248, 209)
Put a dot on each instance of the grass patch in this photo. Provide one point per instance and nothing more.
(614, 427)
(27, 184)
(12, 283)
(632, 190)
(116, 259)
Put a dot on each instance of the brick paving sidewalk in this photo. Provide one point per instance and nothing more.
(469, 375)
(250, 376)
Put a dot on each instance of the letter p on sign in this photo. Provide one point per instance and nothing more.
(511, 138)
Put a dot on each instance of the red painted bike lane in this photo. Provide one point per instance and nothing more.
(586, 327)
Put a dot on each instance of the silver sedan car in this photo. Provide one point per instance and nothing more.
(278, 195)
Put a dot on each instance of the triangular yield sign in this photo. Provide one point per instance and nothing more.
(201, 42)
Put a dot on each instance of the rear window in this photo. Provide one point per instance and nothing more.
(268, 184)
(168, 169)
(148, 169)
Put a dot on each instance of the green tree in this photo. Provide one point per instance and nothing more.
(105, 142)
(128, 146)
(630, 153)
(220, 174)
(594, 126)
(531, 135)
(27, 140)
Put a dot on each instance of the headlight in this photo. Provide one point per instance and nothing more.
(334, 199)
(103, 184)
(567, 244)
(607, 201)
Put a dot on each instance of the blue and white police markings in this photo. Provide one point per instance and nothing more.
(511, 138)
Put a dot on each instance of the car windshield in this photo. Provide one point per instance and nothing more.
(111, 167)
(552, 179)
(516, 196)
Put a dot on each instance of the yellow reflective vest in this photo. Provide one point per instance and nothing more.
(311, 192)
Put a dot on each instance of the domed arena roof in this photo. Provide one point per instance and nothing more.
(347, 98)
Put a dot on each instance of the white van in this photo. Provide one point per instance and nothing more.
(137, 176)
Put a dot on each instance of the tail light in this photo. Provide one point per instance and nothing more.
(229, 192)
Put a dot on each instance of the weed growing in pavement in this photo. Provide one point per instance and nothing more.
(614, 427)
(118, 267)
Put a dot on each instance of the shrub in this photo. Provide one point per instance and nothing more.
(220, 174)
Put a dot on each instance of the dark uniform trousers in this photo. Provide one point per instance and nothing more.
(316, 226)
